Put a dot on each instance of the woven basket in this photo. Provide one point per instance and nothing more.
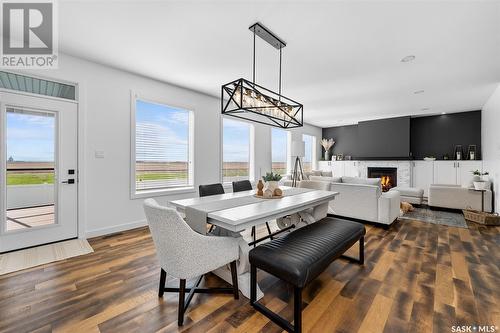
(481, 217)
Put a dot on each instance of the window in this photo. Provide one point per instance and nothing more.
(279, 144)
(309, 148)
(236, 150)
(163, 147)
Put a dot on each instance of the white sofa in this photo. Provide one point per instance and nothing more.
(458, 197)
(362, 198)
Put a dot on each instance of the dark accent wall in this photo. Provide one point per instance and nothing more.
(429, 136)
(384, 138)
(438, 135)
(346, 139)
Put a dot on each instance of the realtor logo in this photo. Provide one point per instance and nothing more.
(29, 38)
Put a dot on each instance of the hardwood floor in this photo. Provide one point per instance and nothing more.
(417, 277)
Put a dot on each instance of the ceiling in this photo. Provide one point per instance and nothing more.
(342, 59)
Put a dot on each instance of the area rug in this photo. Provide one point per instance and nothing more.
(40, 255)
(451, 219)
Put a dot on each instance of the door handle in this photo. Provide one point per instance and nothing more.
(69, 181)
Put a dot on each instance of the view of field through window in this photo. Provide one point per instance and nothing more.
(30, 147)
(162, 146)
(279, 141)
(30, 142)
(235, 150)
(307, 162)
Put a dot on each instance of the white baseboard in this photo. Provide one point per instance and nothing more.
(116, 228)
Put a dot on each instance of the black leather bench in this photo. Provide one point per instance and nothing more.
(300, 256)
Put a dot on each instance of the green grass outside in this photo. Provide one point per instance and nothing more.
(29, 178)
(160, 176)
(281, 172)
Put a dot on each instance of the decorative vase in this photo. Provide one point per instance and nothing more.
(260, 187)
(271, 185)
(480, 185)
(476, 178)
(327, 155)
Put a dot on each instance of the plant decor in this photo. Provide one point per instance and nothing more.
(479, 173)
(271, 177)
(327, 144)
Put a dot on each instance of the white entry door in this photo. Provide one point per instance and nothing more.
(38, 175)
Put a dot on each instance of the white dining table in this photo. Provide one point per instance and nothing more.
(236, 212)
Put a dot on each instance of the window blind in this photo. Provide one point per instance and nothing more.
(279, 152)
(162, 147)
(236, 150)
(308, 142)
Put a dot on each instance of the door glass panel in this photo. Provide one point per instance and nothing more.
(30, 155)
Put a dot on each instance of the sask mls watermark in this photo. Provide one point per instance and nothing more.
(29, 34)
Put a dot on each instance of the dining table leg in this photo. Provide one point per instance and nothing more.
(243, 265)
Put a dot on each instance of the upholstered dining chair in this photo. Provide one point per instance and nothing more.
(245, 185)
(210, 189)
(186, 254)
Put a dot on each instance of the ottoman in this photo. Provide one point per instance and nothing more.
(410, 194)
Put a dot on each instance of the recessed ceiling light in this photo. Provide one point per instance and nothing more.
(425, 109)
(443, 112)
(408, 58)
(419, 92)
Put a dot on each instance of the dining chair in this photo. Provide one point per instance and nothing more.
(245, 185)
(186, 254)
(210, 189)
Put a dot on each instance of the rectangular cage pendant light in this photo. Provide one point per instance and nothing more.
(247, 100)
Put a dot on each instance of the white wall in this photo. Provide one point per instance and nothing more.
(105, 123)
(491, 142)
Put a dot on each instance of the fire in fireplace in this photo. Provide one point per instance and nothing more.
(388, 176)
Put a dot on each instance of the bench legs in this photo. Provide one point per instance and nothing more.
(297, 297)
(297, 306)
(361, 258)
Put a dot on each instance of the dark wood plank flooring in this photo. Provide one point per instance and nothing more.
(418, 277)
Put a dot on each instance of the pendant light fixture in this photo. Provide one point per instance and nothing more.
(245, 99)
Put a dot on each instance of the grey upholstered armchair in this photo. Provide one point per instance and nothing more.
(186, 254)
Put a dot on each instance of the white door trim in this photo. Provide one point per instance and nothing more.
(80, 99)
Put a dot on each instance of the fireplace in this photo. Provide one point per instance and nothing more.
(388, 176)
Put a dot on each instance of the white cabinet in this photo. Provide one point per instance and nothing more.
(423, 175)
(345, 168)
(338, 168)
(351, 168)
(455, 172)
(465, 168)
(445, 172)
(325, 165)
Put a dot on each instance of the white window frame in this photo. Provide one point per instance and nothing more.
(134, 194)
(251, 164)
(288, 158)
